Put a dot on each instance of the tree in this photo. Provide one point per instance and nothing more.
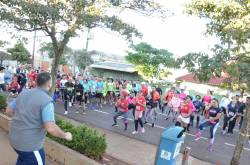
(20, 53)
(229, 21)
(82, 58)
(4, 56)
(61, 20)
(48, 48)
(148, 59)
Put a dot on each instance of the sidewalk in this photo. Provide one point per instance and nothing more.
(8, 155)
(132, 151)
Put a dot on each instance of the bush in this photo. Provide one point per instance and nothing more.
(3, 102)
(85, 140)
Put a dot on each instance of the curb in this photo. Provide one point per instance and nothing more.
(54, 150)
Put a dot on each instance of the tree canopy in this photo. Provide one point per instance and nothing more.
(148, 60)
(61, 20)
(82, 58)
(229, 20)
(48, 48)
(20, 53)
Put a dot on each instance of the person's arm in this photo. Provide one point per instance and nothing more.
(10, 110)
(48, 118)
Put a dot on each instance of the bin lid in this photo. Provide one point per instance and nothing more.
(172, 133)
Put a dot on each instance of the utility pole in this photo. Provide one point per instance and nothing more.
(88, 38)
(34, 47)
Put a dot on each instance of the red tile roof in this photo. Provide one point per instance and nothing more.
(191, 78)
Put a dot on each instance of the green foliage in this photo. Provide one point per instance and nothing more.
(3, 102)
(19, 53)
(148, 59)
(229, 21)
(85, 140)
(82, 58)
(48, 48)
(4, 56)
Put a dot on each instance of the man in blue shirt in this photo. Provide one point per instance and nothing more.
(32, 117)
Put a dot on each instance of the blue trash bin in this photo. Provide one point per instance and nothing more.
(170, 145)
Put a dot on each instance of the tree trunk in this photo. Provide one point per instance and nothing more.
(54, 69)
(242, 136)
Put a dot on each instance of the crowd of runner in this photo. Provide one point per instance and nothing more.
(142, 100)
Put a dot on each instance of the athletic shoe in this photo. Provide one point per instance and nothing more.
(66, 112)
(135, 132)
(142, 130)
(210, 147)
(70, 104)
(197, 135)
(114, 125)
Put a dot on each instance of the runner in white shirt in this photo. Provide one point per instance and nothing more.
(2, 83)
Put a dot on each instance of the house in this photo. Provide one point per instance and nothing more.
(115, 70)
(191, 83)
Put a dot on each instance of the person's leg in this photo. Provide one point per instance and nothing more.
(241, 121)
(213, 129)
(201, 127)
(136, 122)
(192, 120)
(66, 107)
(231, 126)
(125, 120)
(85, 98)
(140, 122)
(226, 119)
(115, 118)
(198, 120)
(31, 158)
(147, 114)
(154, 117)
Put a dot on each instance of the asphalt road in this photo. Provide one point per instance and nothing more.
(102, 118)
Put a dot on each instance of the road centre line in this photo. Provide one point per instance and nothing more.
(232, 145)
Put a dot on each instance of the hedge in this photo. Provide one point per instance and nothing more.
(85, 140)
(3, 102)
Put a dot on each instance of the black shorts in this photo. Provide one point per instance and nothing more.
(131, 106)
(154, 105)
(99, 95)
(92, 94)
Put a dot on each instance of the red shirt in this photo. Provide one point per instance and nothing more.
(33, 75)
(169, 96)
(185, 110)
(140, 100)
(14, 85)
(122, 105)
(156, 96)
(207, 99)
(144, 90)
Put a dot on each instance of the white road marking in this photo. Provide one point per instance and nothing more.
(157, 126)
(102, 112)
(232, 145)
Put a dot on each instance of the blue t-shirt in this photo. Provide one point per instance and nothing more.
(198, 105)
(99, 86)
(232, 109)
(213, 113)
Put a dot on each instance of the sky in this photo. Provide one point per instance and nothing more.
(179, 33)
